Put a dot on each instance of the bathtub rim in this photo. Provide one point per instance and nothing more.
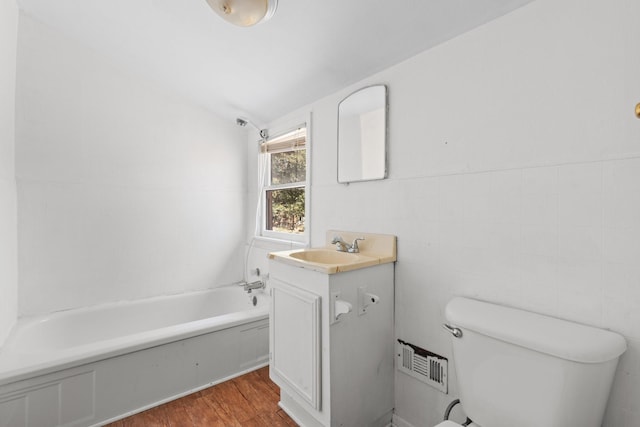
(93, 352)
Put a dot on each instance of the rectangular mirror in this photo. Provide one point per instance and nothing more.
(362, 135)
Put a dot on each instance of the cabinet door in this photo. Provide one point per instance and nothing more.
(295, 341)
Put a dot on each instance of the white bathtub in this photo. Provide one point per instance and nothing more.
(93, 365)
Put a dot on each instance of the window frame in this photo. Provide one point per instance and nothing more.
(306, 184)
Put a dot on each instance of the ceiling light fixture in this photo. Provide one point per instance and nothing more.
(244, 13)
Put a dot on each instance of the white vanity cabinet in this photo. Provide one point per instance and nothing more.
(333, 372)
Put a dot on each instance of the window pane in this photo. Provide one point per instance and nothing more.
(288, 167)
(285, 210)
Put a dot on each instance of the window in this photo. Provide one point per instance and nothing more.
(285, 189)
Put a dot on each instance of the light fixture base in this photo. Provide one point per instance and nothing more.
(244, 13)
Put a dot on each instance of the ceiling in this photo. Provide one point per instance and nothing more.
(309, 49)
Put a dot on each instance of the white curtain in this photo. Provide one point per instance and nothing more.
(262, 172)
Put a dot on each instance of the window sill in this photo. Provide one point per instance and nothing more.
(270, 242)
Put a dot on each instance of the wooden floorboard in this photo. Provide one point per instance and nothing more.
(250, 400)
(177, 414)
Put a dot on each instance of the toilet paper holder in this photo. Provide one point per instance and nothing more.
(365, 299)
(338, 307)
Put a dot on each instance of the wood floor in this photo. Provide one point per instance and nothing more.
(246, 401)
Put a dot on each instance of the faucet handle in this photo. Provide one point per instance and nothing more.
(354, 246)
(341, 245)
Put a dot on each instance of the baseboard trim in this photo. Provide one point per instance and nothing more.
(399, 422)
(296, 412)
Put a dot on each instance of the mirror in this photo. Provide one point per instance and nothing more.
(362, 135)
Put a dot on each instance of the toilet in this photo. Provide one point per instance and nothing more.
(517, 368)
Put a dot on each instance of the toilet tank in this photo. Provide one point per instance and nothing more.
(517, 368)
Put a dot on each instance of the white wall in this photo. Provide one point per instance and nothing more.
(8, 242)
(123, 190)
(514, 177)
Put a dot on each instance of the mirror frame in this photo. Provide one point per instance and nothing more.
(386, 136)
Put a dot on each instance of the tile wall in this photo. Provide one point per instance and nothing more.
(514, 177)
(8, 215)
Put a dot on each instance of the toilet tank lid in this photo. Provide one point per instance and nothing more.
(545, 334)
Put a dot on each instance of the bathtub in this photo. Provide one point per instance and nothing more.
(94, 365)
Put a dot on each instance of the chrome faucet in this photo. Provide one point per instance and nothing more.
(342, 246)
(258, 284)
(354, 245)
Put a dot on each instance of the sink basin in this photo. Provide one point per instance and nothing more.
(374, 249)
(325, 260)
(327, 256)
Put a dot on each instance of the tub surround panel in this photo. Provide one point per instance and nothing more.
(9, 33)
(44, 344)
(107, 390)
(121, 243)
(69, 400)
(124, 189)
(514, 170)
(94, 365)
(8, 258)
(8, 203)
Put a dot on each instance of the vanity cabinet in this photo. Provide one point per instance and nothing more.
(333, 371)
(295, 355)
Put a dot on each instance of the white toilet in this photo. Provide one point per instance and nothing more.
(520, 369)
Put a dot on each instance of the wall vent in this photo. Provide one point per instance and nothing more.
(423, 365)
